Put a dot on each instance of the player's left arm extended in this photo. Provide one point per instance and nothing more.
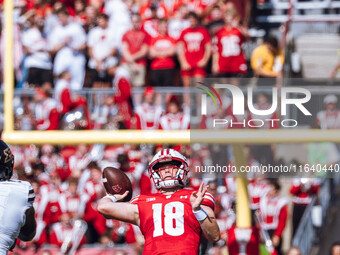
(209, 225)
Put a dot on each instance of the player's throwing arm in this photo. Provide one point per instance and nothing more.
(119, 189)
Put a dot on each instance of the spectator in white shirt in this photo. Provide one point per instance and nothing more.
(68, 41)
(102, 51)
(38, 60)
(119, 17)
(179, 23)
(17, 49)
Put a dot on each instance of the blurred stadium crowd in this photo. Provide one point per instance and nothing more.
(91, 39)
(62, 47)
(67, 183)
(70, 45)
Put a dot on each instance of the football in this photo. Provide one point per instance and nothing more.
(116, 182)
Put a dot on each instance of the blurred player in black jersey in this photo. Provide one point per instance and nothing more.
(16, 204)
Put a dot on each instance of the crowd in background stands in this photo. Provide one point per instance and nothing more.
(67, 183)
(68, 45)
(150, 38)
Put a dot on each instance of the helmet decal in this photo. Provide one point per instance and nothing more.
(6, 161)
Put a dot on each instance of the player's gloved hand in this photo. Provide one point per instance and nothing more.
(196, 197)
(117, 197)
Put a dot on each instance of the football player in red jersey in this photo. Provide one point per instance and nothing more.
(173, 219)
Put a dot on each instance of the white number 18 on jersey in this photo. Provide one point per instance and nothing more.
(173, 219)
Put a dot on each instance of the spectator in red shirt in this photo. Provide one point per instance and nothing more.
(46, 113)
(175, 118)
(134, 51)
(51, 201)
(42, 8)
(123, 97)
(123, 233)
(274, 213)
(194, 49)
(159, 7)
(73, 204)
(97, 4)
(228, 58)
(215, 20)
(162, 51)
(60, 231)
(242, 7)
(93, 191)
(79, 8)
(303, 191)
(197, 6)
(149, 112)
(67, 101)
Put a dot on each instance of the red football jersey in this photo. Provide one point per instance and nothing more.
(135, 40)
(228, 44)
(161, 43)
(194, 40)
(168, 223)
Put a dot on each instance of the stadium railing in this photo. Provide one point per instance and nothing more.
(95, 97)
